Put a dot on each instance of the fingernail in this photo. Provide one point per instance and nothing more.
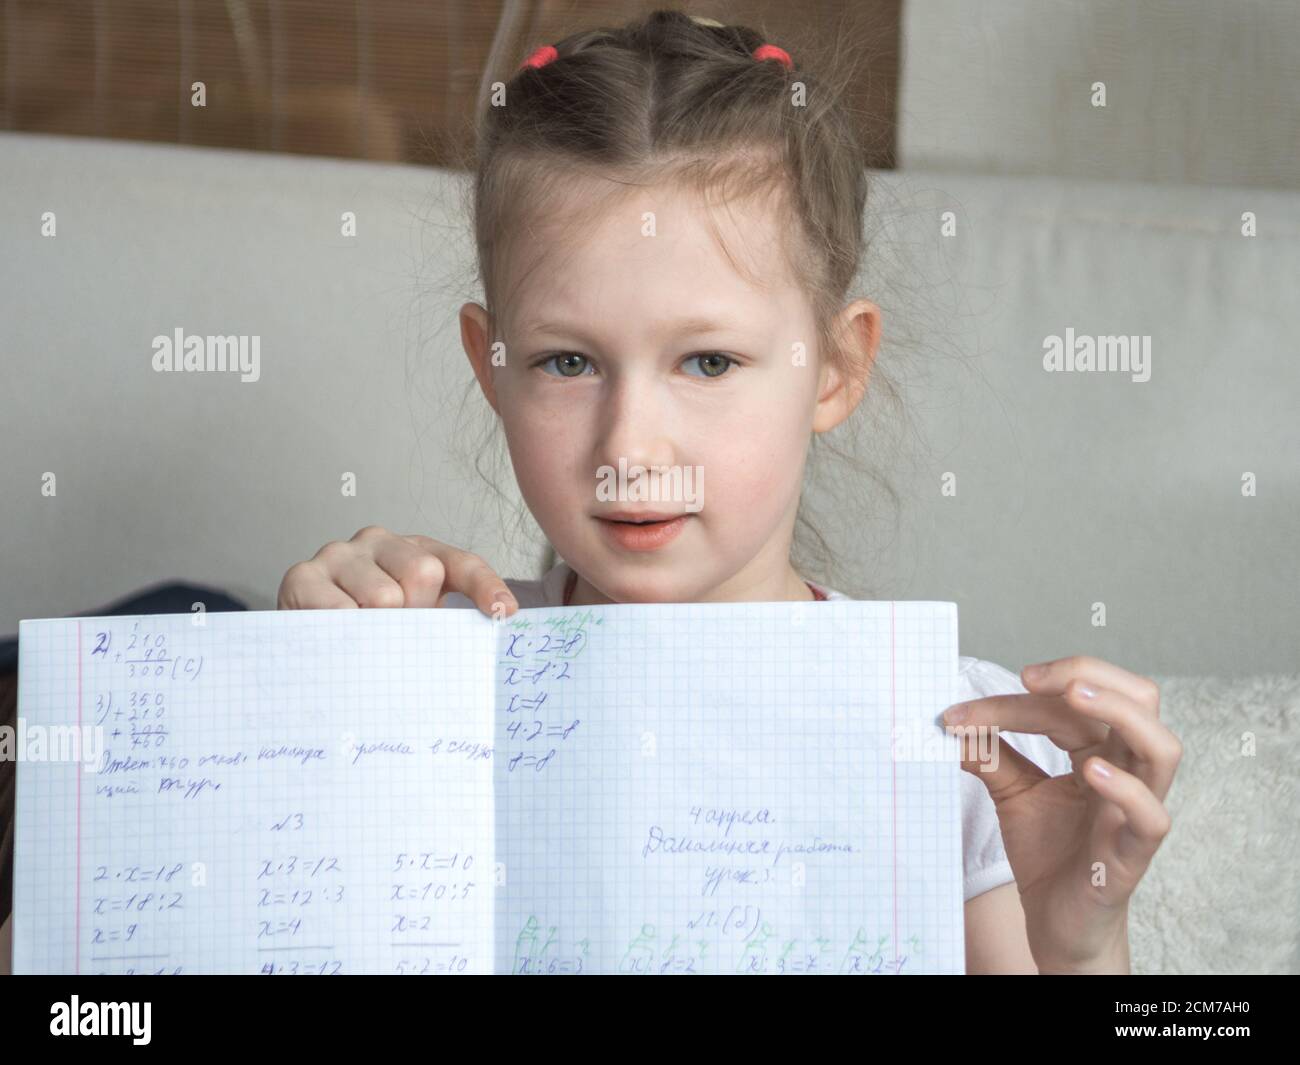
(1086, 692)
(1102, 770)
(504, 598)
(1035, 672)
(954, 715)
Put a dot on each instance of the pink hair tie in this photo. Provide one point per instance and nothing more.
(540, 56)
(771, 51)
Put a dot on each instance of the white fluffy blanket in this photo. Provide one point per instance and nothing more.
(1223, 892)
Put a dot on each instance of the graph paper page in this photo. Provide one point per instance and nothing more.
(703, 788)
(276, 792)
(710, 788)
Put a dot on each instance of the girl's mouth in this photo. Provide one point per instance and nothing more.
(643, 532)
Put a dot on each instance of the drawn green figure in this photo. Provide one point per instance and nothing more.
(856, 958)
(640, 952)
(877, 958)
(526, 949)
(823, 945)
(855, 947)
(754, 957)
(524, 943)
(671, 958)
(782, 961)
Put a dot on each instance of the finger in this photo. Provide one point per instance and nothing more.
(472, 577)
(369, 585)
(1005, 771)
(1055, 675)
(1046, 714)
(1147, 822)
(419, 573)
(354, 570)
(1157, 750)
(307, 587)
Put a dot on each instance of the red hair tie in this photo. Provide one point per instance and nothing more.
(546, 53)
(771, 51)
(541, 55)
(763, 51)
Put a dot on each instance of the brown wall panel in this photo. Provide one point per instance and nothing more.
(374, 79)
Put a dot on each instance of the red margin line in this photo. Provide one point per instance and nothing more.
(76, 770)
(893, 768)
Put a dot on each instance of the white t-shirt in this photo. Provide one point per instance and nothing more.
(984, 860)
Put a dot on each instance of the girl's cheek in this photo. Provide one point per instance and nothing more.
(760, 457)
(548, 455)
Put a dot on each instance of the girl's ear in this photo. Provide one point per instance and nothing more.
(844, 380)
(475, 338)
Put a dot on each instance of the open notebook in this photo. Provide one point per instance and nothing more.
(683, 788)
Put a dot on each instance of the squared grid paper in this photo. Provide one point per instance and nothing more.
(459, 847)
(172, 881)
(692, 708)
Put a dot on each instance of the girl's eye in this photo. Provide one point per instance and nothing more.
(569, 363)
(713, 363)
(574, 364)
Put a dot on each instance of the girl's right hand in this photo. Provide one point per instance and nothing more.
(377, 568)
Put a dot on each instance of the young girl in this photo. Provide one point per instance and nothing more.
(668, 220)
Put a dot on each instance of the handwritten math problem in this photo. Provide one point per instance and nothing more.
(644, 790)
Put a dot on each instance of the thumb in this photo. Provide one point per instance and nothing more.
(1003, 769)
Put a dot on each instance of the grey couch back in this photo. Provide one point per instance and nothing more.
(1071, 488)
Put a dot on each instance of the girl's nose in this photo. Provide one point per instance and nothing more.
(636, 427)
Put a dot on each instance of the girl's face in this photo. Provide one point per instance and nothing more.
(640, 345)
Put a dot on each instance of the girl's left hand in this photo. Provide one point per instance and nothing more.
(1078, 843)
